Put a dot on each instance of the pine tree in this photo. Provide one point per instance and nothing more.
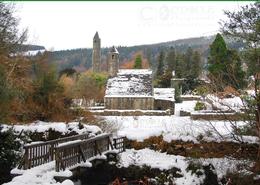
(225, 65)
(196, 65)
(138, 62)
(10, 38)
(170, 60)
(188, 62)
(160, 66)
(218, 56)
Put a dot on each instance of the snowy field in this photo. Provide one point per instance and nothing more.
(174, 127)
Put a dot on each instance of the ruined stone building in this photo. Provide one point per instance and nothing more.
(130, 89)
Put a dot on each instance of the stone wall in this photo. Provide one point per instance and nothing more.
(164, 105)
(218, 116)
(129, 103)
(131, 112)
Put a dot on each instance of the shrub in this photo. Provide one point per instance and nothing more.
(200, 106)
(9, 154)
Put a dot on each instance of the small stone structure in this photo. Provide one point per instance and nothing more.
(132, 89)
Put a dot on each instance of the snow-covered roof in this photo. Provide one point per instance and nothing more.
(130, 83)
(164, 94)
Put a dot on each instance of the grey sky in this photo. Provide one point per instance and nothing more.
(67, 25)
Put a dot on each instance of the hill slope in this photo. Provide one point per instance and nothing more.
(81, 59)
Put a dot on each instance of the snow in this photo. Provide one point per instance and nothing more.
(175, 127)
(227, 104)
(164, 161)
(130, 82)
(33, 52)
(40, 126)
(43, 175)
(69, 143)
(164, 94)
(185, 106)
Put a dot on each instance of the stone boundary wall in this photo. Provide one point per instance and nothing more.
(190, 98)
(218, 116)
(131, 113)
(129, 103)
(164, 105)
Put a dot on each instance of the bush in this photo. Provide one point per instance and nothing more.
(9, 154)
(200, 106)
(201, 90)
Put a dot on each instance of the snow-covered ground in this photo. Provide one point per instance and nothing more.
(174, 127)
(227, 104)
(43, 175)
(139, 128)
(40, 126)
(164, 161)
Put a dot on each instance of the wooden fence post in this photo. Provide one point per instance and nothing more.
(26, 161)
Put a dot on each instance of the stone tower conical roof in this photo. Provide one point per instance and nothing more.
(96, 36)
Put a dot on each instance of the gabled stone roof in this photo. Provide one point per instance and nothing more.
(129, 83)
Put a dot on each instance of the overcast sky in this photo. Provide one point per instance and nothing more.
(68, 25)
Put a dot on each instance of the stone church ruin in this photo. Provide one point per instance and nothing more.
(130, 89)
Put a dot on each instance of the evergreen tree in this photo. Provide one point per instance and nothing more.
(170, 60)
(225, 65)
(138, 62)
(217, 57)
(188, 62)
(196, 65)
(160, 66)
(9, 38)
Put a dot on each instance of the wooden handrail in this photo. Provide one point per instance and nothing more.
(68, 152)
(40, 153)
(74, 153)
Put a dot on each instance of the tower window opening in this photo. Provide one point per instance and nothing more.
(113, 56)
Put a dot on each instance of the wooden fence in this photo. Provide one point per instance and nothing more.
(71, 154)
(41, 153)
(119, 143)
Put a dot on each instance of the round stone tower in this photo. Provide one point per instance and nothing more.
(96, 54)
(113, 62)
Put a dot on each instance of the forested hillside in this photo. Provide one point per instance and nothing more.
(80, 59)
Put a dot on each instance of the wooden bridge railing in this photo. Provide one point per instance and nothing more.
(41, 153)
(119, 144)
(73, 153)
